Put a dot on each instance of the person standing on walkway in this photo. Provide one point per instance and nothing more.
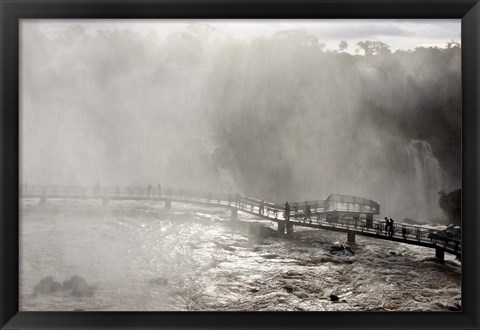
(287, 212)
(262, 207)
(387, 225)
(391, 228)
(418, 234)
(308, 213)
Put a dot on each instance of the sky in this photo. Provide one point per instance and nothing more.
(399, 33)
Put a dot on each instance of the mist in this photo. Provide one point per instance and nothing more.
(277, 117)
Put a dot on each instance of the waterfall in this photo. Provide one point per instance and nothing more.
(227, 179)
(210, 147)
(426, 179)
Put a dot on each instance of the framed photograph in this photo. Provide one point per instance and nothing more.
(239, 164)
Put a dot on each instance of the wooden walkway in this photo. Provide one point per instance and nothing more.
(347, 214)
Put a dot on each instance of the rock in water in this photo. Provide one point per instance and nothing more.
(454, 307)
(340, 247)
(159, 281)
(79, 287)
(394, 253)
(289, 288)
(333, 297)
(47, 286)
(73, 282)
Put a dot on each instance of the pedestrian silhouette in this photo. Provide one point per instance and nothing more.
(262, 206)
(287, 212)
(387, 225)
(392, 229)
(308, 212)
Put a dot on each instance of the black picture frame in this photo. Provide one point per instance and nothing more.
(13, 10)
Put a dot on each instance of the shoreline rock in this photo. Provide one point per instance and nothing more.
(78, 286)
(47, 286)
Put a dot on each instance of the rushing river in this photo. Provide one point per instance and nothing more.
(140, 257)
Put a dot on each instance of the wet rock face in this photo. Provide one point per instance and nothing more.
(78, 286)
(451, 204)
(256, 231)
(261, 231)
(47, 286)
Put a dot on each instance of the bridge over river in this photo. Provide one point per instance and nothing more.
(340, 213)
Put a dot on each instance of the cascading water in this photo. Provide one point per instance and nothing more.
(426, 179)
(227, 180)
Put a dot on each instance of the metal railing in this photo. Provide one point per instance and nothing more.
(319, 209)
(118, 191)
(337, 203)
(346, 203)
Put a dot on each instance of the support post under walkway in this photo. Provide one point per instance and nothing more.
(350, 236)
(281, 227)
(355, 221)
(289, 228)
(440, 253)
(168, 204)
(234, 213)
